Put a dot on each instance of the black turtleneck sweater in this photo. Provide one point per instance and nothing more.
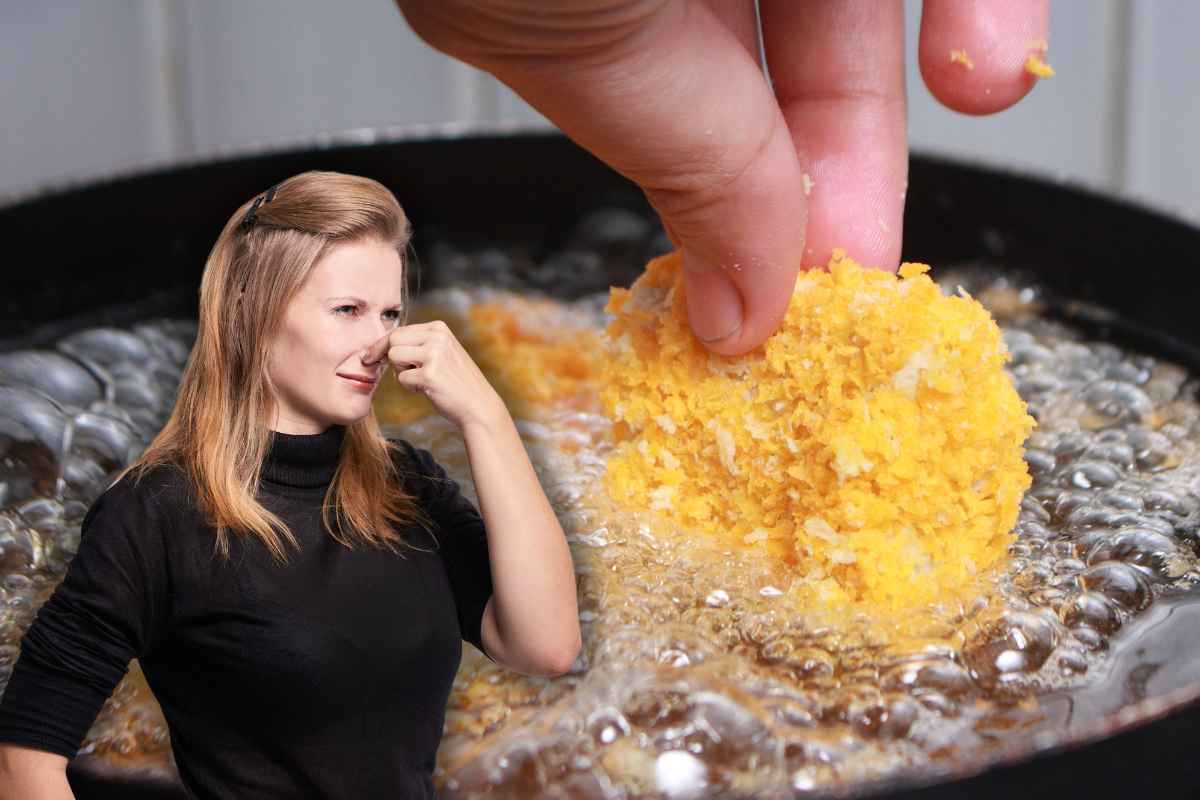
(325, 678)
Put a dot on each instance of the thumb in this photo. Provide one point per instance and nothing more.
(742, 238)
(742, 242)
(716, 311)
(664, 92)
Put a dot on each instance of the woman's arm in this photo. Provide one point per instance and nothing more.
(531, 621)
(28, 774)
(108, 609)
(534, 613)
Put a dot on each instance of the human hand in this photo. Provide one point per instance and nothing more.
(670, 94)
(429, 359)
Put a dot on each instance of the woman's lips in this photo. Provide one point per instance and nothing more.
(362, 384)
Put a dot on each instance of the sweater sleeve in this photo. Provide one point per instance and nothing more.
(462, 540)
(110, 607)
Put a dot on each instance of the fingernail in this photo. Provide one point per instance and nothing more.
(714, 304)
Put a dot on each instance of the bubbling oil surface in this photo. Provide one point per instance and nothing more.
(696, 680)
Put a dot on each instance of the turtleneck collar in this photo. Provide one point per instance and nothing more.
(303, 460)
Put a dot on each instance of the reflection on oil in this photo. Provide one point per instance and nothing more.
(1157, 653)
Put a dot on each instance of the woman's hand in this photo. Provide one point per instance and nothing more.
(429, 359)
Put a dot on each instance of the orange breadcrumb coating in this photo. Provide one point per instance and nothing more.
(1035, 66)
(874, 442)
(528, 353)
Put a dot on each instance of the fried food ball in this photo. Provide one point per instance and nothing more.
(873, 443)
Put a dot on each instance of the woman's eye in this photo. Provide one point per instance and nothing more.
(394, 313)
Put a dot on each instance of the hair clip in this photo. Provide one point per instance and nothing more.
(248, 221)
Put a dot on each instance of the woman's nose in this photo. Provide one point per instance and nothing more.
(378, 332)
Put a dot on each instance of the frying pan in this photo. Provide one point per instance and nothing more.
(120, 248)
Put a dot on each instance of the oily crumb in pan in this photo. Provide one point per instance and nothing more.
(873, 443)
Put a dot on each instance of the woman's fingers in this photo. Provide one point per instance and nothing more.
(415, 335)
(406, 356)
(672, 97)
(972, 54)
(838, 72)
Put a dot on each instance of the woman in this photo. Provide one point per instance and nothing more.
(294, 585)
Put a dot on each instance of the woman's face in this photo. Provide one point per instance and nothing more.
(352, 298)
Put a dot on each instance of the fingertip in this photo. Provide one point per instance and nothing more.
(720, 317)
(875, 249)
(973, 57)
(735, 307)
(866, 222)
(715, 308)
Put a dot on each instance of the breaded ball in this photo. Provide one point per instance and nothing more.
(874, 442)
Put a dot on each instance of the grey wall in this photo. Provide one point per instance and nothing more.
(98, 88)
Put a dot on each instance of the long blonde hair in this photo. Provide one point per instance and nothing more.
(218, 429)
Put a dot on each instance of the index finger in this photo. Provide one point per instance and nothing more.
(838, 72)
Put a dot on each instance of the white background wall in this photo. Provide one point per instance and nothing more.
(98, 87)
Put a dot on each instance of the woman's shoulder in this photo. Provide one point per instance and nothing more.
(129, 521)
(155, 489)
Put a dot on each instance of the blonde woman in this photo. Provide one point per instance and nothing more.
(295, 585)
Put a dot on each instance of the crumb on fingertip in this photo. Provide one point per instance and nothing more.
(961, 57)
(1034, 65)
(809, 183)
